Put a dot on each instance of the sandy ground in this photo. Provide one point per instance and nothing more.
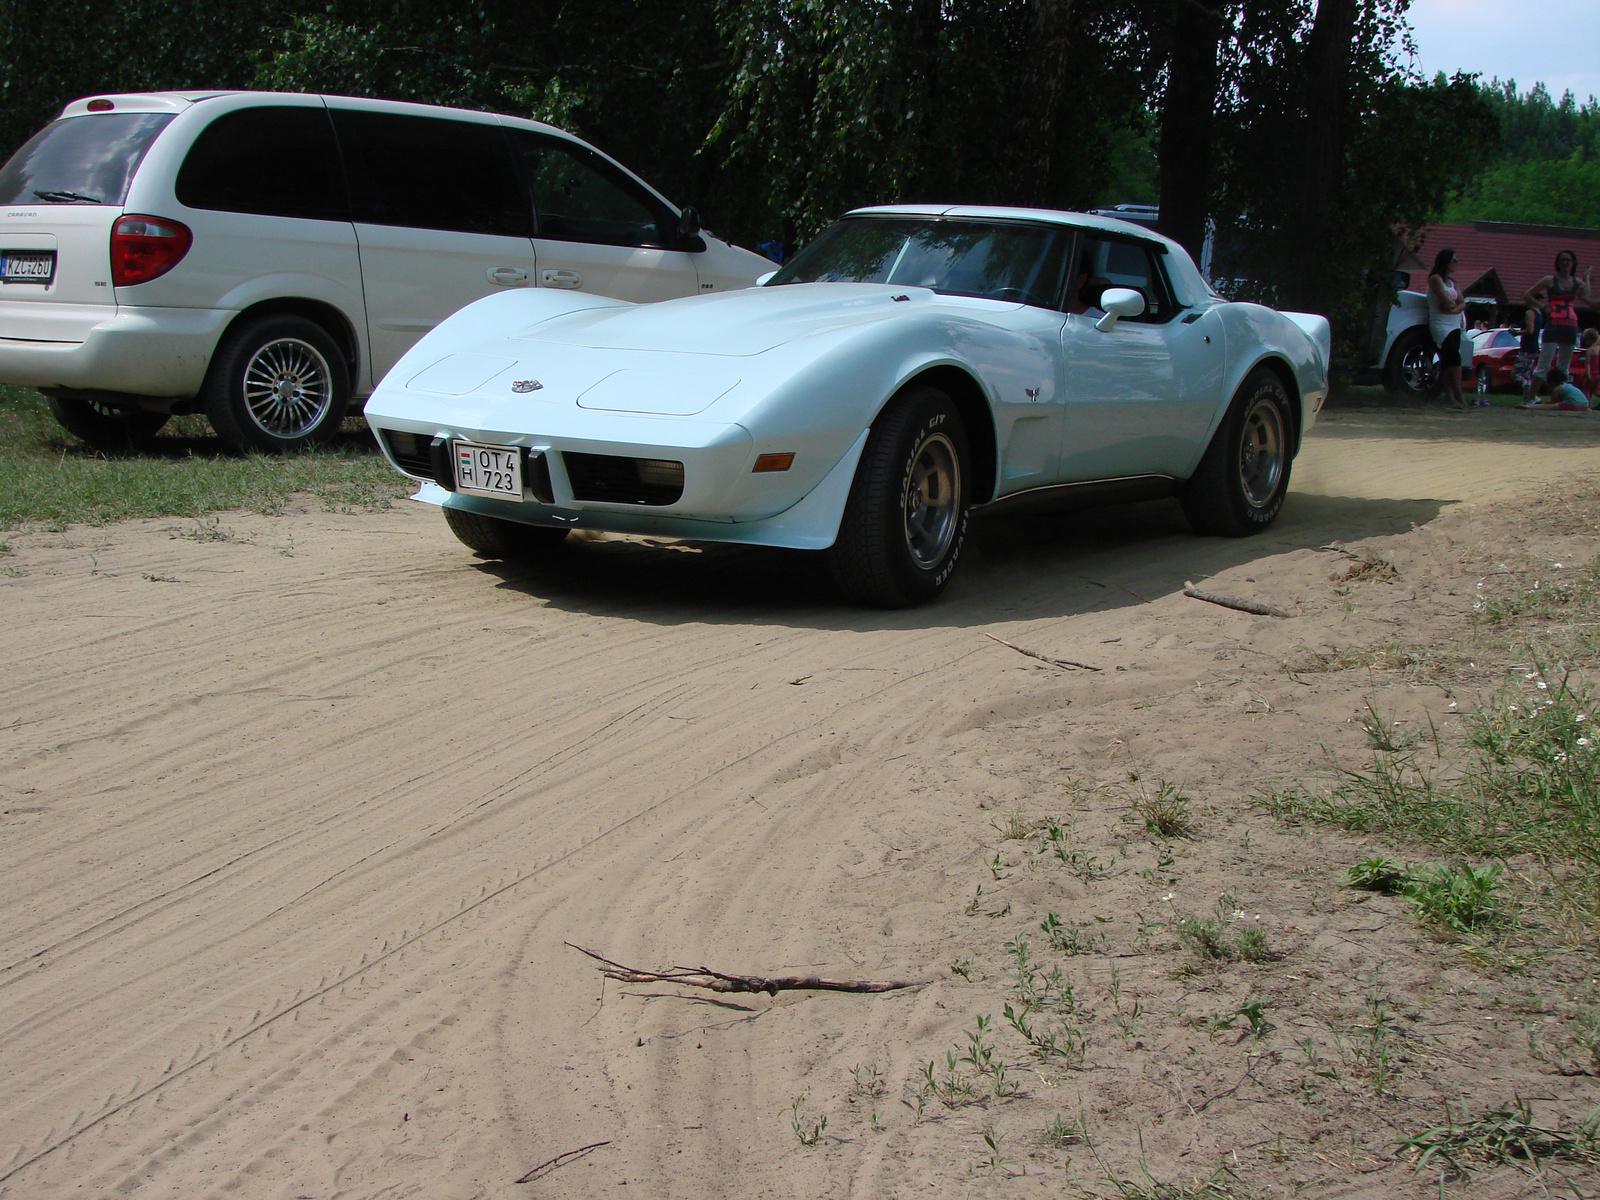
(296, 814)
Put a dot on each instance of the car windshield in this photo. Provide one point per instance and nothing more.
(80, 160)
(1016, 262)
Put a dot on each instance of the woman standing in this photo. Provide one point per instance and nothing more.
(1563, 289)
(1445, 306)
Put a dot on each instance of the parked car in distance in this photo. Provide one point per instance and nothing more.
(912, 364)
(264, 258)
(1494, 360)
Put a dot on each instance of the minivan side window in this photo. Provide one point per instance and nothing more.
(275, 161)
(431, 173)
(579, 197)
(80, 160)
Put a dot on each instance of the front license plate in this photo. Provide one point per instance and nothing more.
(25, 266)
(489, 470)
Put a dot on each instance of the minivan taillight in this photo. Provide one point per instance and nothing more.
(144, 248)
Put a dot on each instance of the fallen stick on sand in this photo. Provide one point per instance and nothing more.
(1249, 606)
(1066, 664)
(560, 1160)
(716, 981)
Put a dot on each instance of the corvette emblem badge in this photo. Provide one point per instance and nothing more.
(526, 385)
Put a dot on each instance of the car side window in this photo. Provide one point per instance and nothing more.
(579, 197)
(1112, 262)
(228, 169)
(431, 173)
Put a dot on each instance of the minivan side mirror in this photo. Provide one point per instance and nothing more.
(1118, 302)
(689, 230)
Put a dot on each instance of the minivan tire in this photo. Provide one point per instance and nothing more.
(278, 384)
(112, 430)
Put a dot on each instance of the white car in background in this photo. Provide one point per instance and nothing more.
(264, 258)
(912, 364)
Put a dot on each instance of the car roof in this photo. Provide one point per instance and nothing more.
(1055, 216)
(176, 102)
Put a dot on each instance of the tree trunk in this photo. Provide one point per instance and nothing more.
(1038, 166)
(1327, 88)
(1188, 121)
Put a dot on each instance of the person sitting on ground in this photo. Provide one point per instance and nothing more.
(1564, 396)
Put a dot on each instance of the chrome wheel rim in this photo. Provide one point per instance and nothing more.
(1417, 369)
(288, 387)
(1261, 451)
(932, 500)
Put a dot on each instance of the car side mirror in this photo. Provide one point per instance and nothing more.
(689, 230)
(761, 279)
(1118, 302)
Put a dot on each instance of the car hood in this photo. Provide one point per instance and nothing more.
(731, 324)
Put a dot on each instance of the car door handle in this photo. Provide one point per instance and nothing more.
(508, 276)
(553, 277)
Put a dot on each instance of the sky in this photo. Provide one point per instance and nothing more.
(1554, 41)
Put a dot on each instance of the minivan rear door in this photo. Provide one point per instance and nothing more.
(440, 215)
(60, 194)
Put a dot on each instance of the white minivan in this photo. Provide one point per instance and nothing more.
(264, 258)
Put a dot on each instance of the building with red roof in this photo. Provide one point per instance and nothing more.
(1499, 260)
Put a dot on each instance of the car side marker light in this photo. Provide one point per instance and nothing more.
(772, 462)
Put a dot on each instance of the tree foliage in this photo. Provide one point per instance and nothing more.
(1547, 168)
(1287, 123)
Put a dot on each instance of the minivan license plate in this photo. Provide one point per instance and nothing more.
(489, 470)
(20, 266)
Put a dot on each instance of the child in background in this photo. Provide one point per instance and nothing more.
(1564, 397)
(1528, 352)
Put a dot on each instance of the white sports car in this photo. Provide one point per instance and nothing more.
(911, 365)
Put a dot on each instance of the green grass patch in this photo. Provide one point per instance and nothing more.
(1521, 781)
(49, 479)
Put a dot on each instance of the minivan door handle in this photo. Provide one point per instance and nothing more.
(508, 276)
(555, 278)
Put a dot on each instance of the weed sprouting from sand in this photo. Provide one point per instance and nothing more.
(961, 967)
(1378, 874)
(1384, 734)
(1166, 811)
(996, 1158)
(1064, 1132)
(1503, 1136)
(866, 1080)
(806, 1130)
(1458, 897)
(1014, 826)
(1070, 939)
(211, 529)
(1521, 779)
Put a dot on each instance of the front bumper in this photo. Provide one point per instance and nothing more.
(144, 351)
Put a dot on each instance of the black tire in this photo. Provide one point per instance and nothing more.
(493, 537)
(906, 518)
(277, 384)
(114, 430)
(1412, 369)
(1239, 486)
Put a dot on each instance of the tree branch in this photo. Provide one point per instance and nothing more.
(717, 981)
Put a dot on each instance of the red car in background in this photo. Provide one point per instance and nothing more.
(1495, 355)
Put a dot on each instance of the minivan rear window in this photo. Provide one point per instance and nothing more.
(81, 160)
(278, 160)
